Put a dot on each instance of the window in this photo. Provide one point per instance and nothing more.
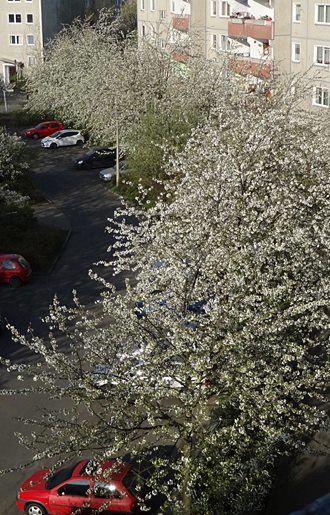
(213, 6)
(162, 44)
(29, 18)
(175, 36)
(152, 5)
(321, 97)
(323, 13)
(14, 0)
(15, 40)
(8, 265)
(106, 490)
(77, 487)
(31, 60)
(142, 5)
(322, 55)
(213, 41)
(296, 13)
(172, 6)
(224, 43)
(14, 18)
(30, 39)
(225, 9)
(162, 15)
(296, 52)
(143, 31)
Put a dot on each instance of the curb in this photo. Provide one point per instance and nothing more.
(68, 231)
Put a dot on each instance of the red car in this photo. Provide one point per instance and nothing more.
(14, 270)
(44, 129)
(80, 486)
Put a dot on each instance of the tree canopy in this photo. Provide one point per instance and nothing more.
(219, 346)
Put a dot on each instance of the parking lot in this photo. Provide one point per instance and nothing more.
(83, 204)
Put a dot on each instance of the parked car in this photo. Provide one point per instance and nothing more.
(63, 138)
(14, 270)
(97, 158)
(80, 485)
(108, 173)
(43, 129)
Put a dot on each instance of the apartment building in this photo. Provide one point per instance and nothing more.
(302, 37)
(259, 36)
(27, 25)
(164, 22)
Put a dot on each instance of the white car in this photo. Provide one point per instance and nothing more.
(108, 173)
(63, 138)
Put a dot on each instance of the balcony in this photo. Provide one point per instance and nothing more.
(245, 67)
(181, 23)
(250, 28)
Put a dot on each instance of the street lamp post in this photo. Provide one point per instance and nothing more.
(117, 152)
(115, 115)
(5, 100)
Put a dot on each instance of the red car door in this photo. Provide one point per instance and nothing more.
(8, 267)
(53, 127)
(72, 494)
(109, 496)
(43, 130)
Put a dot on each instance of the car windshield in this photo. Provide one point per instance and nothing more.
(40, 126)
(55, 135)
(60, 476)
(90, 153)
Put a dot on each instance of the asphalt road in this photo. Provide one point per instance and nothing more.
(87, 205)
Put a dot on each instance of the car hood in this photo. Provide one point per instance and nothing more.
(31, 129)
(47, 138)
(83, 158)
(107, 171)
(36, 481)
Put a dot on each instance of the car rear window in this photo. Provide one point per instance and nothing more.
(134, 481)
(60, 476)
(22, 261)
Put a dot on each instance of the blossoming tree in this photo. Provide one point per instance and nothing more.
(219, 345)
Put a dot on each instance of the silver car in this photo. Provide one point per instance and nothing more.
(108, 173)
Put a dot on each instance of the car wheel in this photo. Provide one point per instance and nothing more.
(53, 145)
(15, 282)
(79, 143)
(35, 509)
(35, 136)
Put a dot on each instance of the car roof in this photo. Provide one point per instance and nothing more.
(97, 149)
(69, 130)
(9, 256)
(117, 475)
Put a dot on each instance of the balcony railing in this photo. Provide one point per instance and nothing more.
(181, 23)
(246, 27)
(243, 66)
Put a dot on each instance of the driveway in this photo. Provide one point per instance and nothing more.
(86, 205)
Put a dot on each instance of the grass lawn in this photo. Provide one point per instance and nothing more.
(39, 244)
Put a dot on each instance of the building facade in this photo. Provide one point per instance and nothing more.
(164, 22)
(258, 36)
(27, 25)
(302, 37)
